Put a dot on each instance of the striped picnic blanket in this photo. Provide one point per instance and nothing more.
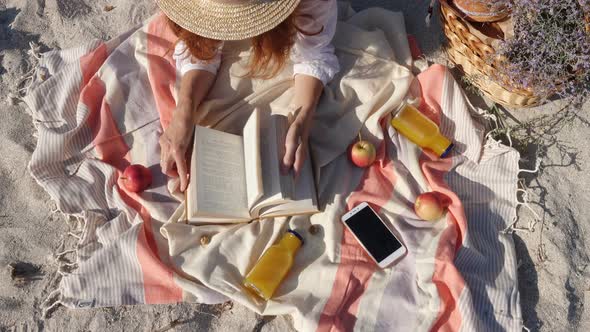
(104, 103)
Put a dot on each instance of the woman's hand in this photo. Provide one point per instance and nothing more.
(308, 90)
(174, 144)
(176, 139)
(296, 142)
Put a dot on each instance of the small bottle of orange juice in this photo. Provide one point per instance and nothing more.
(270, 270)
(419, 129)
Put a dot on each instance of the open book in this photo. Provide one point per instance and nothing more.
(237, 178)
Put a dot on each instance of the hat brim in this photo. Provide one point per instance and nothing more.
(220, 21)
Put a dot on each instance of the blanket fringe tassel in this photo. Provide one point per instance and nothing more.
(526, 204)
(490, 142)
(53, 300)
(77, 225)
(36, 74)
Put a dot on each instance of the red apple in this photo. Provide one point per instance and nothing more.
(136, 178)
(362, 154)
(429, 206)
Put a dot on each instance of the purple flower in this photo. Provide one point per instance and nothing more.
(550, 51)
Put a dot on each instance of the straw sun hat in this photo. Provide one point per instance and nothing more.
(228, 19)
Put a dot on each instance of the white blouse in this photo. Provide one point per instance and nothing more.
(312, 55)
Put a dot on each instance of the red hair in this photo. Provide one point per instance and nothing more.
(270, 50)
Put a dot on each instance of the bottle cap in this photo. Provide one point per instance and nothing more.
(447, 151)
(297, 235)
(441, 145)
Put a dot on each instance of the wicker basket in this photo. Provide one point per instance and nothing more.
(468, 48)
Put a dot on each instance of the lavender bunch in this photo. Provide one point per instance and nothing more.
(550, 51)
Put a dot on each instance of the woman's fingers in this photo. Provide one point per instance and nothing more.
(174, 143)
(168, 168)
(300, 157)
(167, 163)
(164, 160)
(291, 145)
(179, 157)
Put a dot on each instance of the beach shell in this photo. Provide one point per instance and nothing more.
(314, 229)
(205, 240)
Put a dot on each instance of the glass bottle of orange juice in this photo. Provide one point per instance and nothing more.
(422, 131)
(270, 270)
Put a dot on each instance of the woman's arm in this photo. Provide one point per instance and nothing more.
(315, 65)
(174, 142)
(313, 54)
(308, 90)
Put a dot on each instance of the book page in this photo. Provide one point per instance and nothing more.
(218, 178)
(274, 133)
(283, 195)
(304, 200)
(270, 157)
(279, 125)
(251, 135)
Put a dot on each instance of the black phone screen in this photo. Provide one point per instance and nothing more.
(373, 234)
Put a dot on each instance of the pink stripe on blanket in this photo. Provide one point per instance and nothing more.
(91, 63)
(162, 70)
(446, 277)
(158, 279)
(110, 147)
(356, 267)
(431, 82)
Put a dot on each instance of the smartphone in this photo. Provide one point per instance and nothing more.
(368, 228)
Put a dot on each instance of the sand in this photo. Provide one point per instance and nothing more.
(553, 259)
